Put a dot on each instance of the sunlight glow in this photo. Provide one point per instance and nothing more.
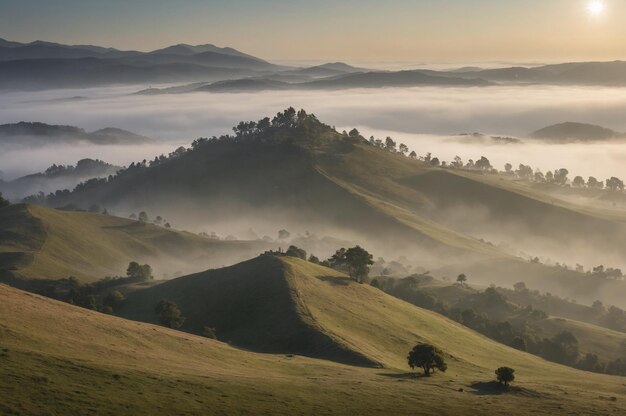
(596, 7)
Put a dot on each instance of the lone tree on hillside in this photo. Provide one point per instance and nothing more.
(169, 315)
(355, 260)
(428, 358)
(505, 375)
(137, 271)
(3, 202)
(461, 279)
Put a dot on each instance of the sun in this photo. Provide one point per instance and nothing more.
(596, 7)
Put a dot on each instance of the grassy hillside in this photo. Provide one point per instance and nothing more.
(59, 359)
(43, 243)
(286, 305)
(607, 344)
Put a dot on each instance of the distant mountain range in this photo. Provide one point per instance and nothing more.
(337, 82)
(25, 134)
(576, 132)
(45, 65)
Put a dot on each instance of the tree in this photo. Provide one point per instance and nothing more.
(560, 176)
(505, 375)
(578, 182)
(137, 271)
(358, 261)
(461, 279)
(428, 358)
(390, 144)
(314, 259)
(520, 287)
(3, 202)
(404, 149)
(168, 314)
(614, 184)
(524, 172)
(297, 252)
(114, 300)
(413, 155)
(593, 183)
(143, 216)
(209, 332)
(483, 164)
(354, 133)
(457, 162)
(508, 168)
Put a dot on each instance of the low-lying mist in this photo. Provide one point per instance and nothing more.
(427, 119)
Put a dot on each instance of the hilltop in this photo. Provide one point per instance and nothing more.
(34, 133)
(103, 364)
(44, 243)
(576, 132)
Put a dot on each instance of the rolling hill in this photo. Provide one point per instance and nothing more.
(576, 132)
(57, 358)
(25, 134)
(43, 243)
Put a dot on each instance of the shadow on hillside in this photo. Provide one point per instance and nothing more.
(404, 376)
(338, 281)
(483, 388)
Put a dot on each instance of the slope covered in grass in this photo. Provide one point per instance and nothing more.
(287, 305)
(43, 243)
(59, 359)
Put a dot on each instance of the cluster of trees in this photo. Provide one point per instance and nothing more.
(143, 217)
(560, 177)
(88, 296)
(96, 296)
(354, 261)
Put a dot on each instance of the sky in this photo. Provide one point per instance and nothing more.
(413, 31)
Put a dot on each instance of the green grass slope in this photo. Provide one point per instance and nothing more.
(608, 345)
(273, 304)
(43, 243)
(59, 359)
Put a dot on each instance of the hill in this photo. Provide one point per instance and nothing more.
(290, 306)
(56, 177)
(58, 358)
(576, 132)
(43, 243)
(35, 133)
